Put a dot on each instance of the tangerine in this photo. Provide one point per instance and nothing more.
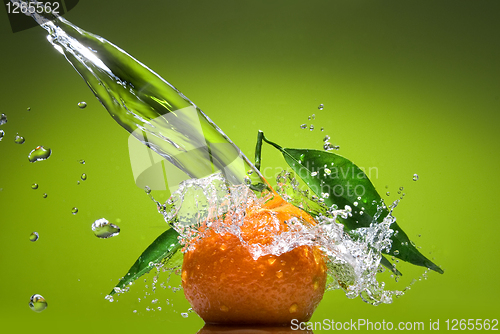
(225, 285)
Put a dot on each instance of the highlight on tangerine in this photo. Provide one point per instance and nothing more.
(226, 285)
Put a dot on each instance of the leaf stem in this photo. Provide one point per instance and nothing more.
(258, 148)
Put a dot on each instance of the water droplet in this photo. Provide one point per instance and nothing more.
(388, 193)
(309, 118)
(313, 116)
(322, 129)
(396, 252)
(293, 308)
(74, 211)
(34, 186)
(184, 315)
(84, 177)
(327, 171)
(321, 106)
(2, 133)
(28, 109)
(415, 177)
(303, 126)
(82, 161)
(3, 119)
(247, 180)
(279, 274)
(82, 105)
(19, 140)
(249, 172)
(40, 153)
(34, 236)
(314, 173)
(401, 188)
(329, 146)
(45, 195)
(147, 189)
(104, 229)
(311, 127)
(37, 303)
(355, 203)
(327, 138)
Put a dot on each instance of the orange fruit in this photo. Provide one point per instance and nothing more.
(225, 285)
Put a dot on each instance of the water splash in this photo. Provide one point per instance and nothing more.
(353, 259)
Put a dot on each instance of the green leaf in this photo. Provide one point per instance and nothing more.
(343, 182)
(163, 250)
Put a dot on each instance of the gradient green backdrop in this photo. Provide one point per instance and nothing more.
(408, 87)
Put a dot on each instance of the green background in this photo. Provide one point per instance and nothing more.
(408, 87)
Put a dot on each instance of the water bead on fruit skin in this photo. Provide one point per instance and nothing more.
(415, 177)
(2, 134)
(74, 210)
(321, 106)
(84, 177)
(303, 126)
(34, 186)
(82, 105)
(3, 119)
